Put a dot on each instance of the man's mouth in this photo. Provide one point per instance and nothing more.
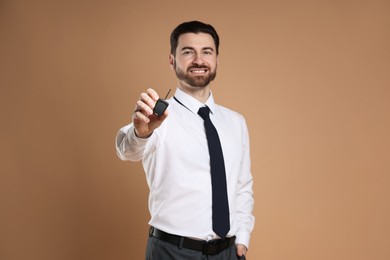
(198, 70)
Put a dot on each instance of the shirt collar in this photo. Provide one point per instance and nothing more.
(192, 103)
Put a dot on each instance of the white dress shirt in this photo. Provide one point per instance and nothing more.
(177, 166)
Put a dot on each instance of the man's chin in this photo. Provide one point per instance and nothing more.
(198, 84)
(196, 81)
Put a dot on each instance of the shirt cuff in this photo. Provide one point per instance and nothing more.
(243, 238)
(134, 139)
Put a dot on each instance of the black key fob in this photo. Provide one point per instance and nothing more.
(160, 107)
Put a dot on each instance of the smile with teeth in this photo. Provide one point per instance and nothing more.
(198, 71)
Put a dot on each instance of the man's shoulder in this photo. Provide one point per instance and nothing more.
(225, 111)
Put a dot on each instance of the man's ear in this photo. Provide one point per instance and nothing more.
(172, 61)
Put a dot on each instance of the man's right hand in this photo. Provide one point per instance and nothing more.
(145, 122)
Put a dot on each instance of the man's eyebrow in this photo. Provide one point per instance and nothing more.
(187, 48)
(191, 48)
(208, 48)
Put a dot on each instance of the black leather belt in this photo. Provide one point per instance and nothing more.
(211, 247)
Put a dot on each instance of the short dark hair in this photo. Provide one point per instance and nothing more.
(192, 27)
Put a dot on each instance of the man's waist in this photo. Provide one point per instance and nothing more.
(210, 247)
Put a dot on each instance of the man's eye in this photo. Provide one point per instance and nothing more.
(187, 53)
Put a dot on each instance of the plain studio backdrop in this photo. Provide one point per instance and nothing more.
(312, 79)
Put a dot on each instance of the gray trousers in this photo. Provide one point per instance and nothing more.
(161, 250)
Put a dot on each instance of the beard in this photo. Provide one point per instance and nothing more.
(199, 81)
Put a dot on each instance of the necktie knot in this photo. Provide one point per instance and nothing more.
(204, 112)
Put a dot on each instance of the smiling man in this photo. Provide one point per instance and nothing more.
(196, 159)
(200, 63)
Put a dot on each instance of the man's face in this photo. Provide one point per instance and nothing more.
(195, 62)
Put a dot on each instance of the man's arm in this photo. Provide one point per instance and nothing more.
(245, 200)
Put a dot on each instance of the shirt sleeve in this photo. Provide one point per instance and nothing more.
(245, 199)
(129, 147)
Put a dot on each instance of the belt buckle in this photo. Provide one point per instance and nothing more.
(210, 247)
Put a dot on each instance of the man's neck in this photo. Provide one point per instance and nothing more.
(199, 93)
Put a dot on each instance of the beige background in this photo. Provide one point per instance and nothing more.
(312, 79)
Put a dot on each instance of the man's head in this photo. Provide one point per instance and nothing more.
(193, 27)
(194, 51)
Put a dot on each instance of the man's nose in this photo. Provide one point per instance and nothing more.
(198, 59)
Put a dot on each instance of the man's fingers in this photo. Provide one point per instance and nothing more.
(147, 100)
(149, 97)
(139, 116)
(143, 107)
(143, 118)
(241, 250)
(152, 93)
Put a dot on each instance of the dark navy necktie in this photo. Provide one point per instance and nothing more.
(221, 222)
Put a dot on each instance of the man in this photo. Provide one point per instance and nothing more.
(198, 210)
